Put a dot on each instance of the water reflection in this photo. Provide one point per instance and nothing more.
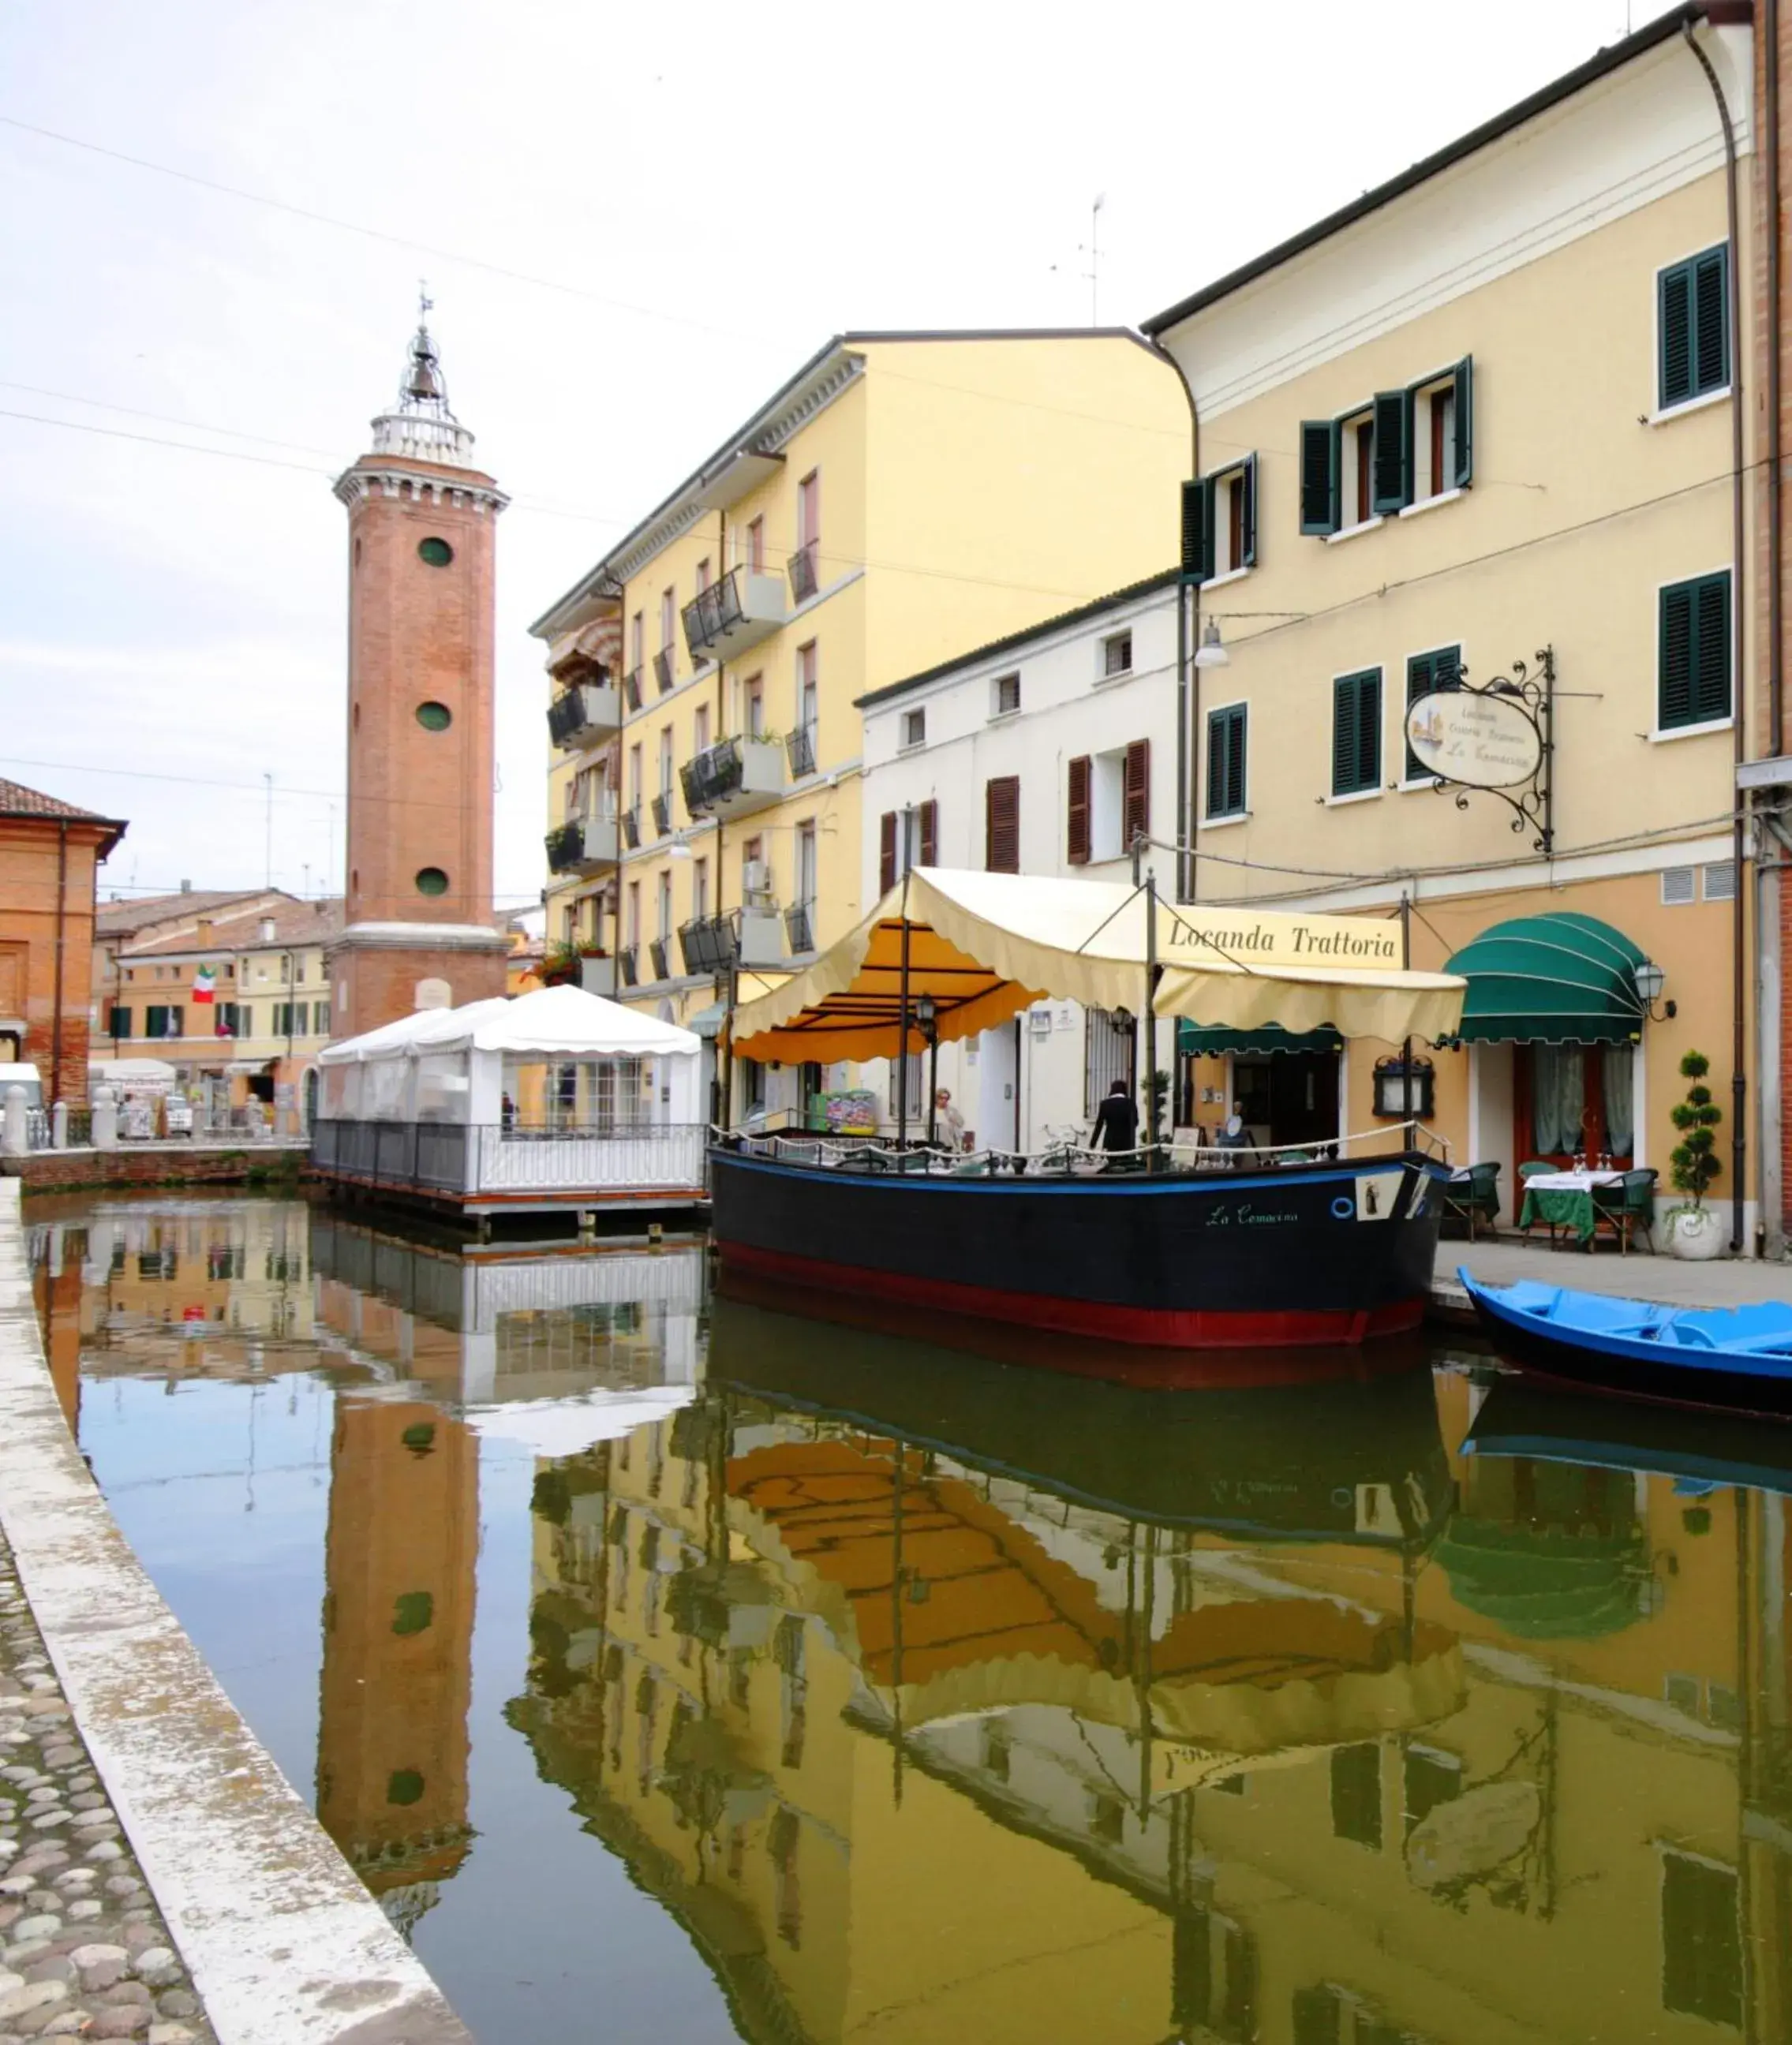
(931, 1698)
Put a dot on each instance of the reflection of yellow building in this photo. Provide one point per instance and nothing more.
(399, 1560)
(920, 1747)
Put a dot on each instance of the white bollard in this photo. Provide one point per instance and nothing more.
(15, 1130)
(105, 1120)
(59, 1126)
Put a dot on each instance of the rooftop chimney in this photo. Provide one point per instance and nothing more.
(267, 929)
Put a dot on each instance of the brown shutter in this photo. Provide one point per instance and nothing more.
(1001, 824)
(887, 853)
(1076, 834)
(930, 834)
(1138, 790)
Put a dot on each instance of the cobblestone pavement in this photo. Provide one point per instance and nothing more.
(84, 1952)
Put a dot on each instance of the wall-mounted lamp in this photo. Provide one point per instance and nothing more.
(1650, 980)
(1211, 651)
(680, 848)
(1403, 1092)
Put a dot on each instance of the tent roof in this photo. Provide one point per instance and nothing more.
(985, 945)
(1555, 979)
(549, 1023)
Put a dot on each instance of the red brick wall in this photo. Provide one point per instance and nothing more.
(167, 1165)
(378, 985)
(28, 925)
(418, 634)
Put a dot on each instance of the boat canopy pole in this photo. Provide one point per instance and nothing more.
(902, 1020)
(1150, 1118)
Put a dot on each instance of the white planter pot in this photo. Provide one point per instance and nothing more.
(1696, 1234)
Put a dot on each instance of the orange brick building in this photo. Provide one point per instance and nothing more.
(422, 532)
(50, 854)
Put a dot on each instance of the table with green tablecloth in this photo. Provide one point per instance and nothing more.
(1563, 1200)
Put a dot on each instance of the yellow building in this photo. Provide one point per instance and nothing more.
(1474, 432)
(902, 496)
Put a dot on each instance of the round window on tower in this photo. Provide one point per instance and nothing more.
(438, 553)
(434, 716)
(431, 881)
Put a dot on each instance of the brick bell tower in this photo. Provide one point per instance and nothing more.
(417, 928)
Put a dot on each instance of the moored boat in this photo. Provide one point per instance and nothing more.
(1738, 1359)
(1337, 1248)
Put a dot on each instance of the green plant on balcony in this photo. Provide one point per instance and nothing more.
(560, 962)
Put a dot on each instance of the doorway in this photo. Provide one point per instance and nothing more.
(1293, 1095)
(1575, 1096)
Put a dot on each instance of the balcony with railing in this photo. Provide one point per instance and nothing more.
(662, 814)
(735, 613)
(803, 571)
(708, 943)
(799, 751)
(799, 926)
(585, 715)
(582, 846)
(735, 778)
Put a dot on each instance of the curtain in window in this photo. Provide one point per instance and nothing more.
(1558, 1097)
(1619, 1077)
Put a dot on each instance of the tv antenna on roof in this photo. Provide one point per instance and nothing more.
(1092, 249)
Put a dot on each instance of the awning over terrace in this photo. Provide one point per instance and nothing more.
(983, 946)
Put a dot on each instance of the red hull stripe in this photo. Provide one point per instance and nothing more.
(1160, 1327)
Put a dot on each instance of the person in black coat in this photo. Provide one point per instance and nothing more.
(1116, 1123)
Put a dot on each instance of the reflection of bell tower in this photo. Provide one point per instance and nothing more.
(398, 1562)
(423, 536)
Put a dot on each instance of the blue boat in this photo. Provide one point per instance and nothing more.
(1735, 1359)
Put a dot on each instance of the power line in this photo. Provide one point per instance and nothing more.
(356, 227)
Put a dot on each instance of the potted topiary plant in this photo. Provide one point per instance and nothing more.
(1693, 1231)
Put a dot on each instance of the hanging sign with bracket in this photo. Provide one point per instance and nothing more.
(1494, 736)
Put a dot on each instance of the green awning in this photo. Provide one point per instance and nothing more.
(1539, 1584)
(1214, 1040)
(1555, 979)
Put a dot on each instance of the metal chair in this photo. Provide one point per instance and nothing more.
(1625, 1207)
(1474, 1197)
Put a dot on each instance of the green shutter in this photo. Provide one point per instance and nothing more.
(1711, 320)
(1393, 452)
(1197, 529)
(1694, 321)
(1319, 466)
(1356, 733)
(1248, 556)
(1463, 473)
(1693, 681)
(1426, 673)
(1675, 340)
(1225, 761)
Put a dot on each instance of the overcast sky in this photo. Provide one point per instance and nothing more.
(635, 223)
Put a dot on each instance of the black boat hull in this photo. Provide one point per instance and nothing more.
(1325, 1253)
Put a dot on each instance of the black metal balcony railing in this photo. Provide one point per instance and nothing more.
(631, 689)
(712, 613)
(662, 814)
(709, 944)
(715, 772)
(569, 714)
(631, 829)
(657, 954)
(566, 846)
(804, 580)
(799, 927)
(662, 668)
(800, 750)
(625, 965)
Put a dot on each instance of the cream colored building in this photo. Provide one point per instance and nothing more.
(252, 1046)
(901, 497)
(1476, 430)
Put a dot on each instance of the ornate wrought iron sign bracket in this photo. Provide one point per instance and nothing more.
(1496, 739)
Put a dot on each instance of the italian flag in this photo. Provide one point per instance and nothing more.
(205, 984)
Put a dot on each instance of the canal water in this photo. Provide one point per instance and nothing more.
(673, 1667)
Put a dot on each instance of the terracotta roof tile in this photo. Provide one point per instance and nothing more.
(295, 923)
